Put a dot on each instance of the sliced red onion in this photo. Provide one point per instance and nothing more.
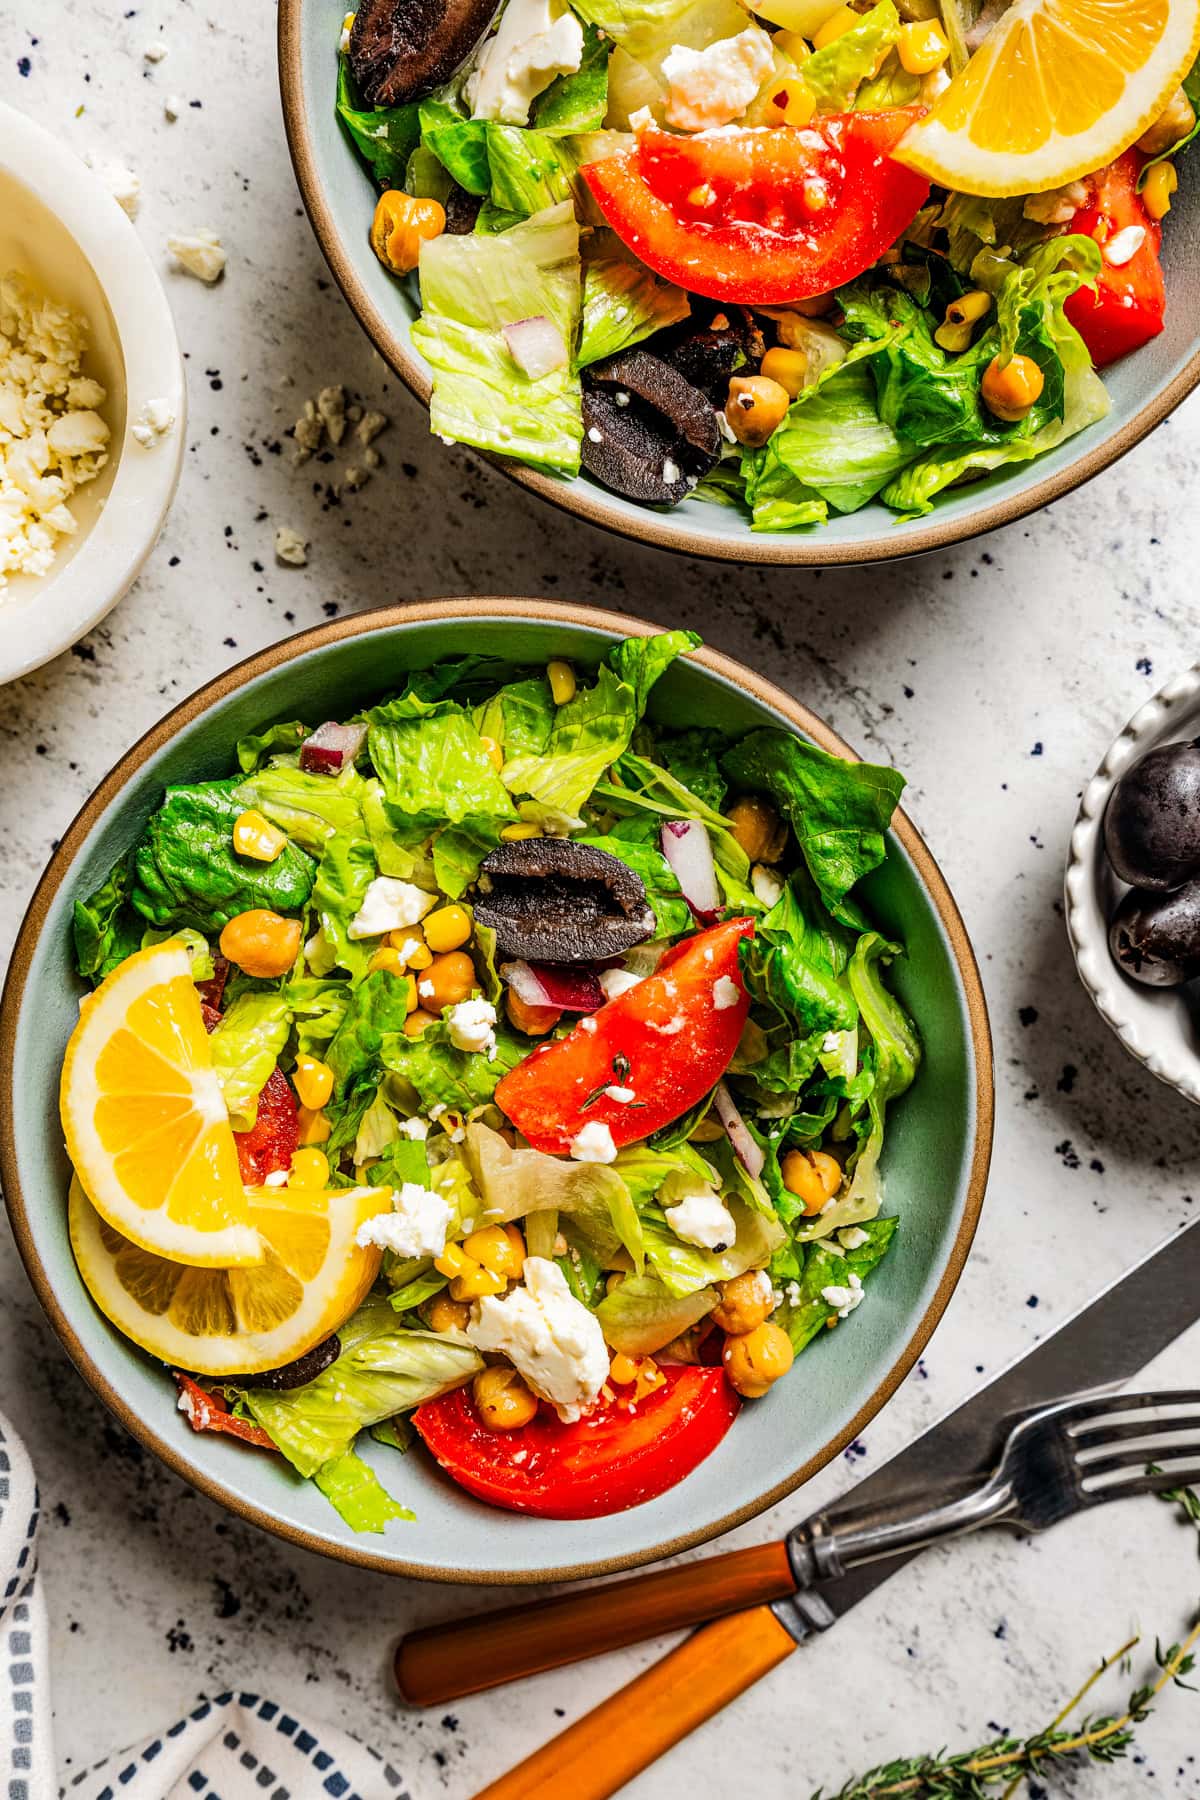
(750, 1154)
(536, 345)
(570, 989)
(331, 748)
(686, 846)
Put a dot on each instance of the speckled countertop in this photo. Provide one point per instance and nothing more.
(994, 675)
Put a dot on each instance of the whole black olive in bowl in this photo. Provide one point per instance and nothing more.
(1152, 821)
(1156, 937)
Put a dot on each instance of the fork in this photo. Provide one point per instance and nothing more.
(1077, 1453)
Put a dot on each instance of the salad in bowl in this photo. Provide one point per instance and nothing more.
(492, 1068)
(798, 259)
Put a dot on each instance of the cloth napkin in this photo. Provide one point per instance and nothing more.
(235, 1746)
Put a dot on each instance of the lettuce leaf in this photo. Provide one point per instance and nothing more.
(685, 1269)
(595, 1209)
(520, 717)
(186, 871)
(693, 757)
(578, 102)
(530, 170)
(834, 73)
(806, 1314)
(346, 870)
(430, 1067)
(376, 1008)
(384, 137)
(434, 767)
(641, 1314)
(647, 29)
(623, 302)
(277, 740)
(833, 445)
(460, 144)
(106, 929)
(246, 1044)
(356, 1493)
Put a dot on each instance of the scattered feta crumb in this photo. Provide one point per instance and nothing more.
(550, 1337)
(472, 1025)
(199, 252)
(703, 1219)
(673, 1024)
(1057, 206)
(587, 1024)
(766, 883)
(291, 547)
(122, 184)
(792, 1293)
(622, 1095)
(389, 905)
(155, 53)
(331, 409)
(370, 426)
(853, 1237)
(417, 1129)
(617, 981)
(371, 458)
(726, 993)
(1124, 246)
(714, 86)
(844, 1299)
(416, 1226)
(670, 472)
(354, 478)
(277, 1178)
(172, 107)
(594, 1143)
(641, 120)
(152, 423)
(534, 41)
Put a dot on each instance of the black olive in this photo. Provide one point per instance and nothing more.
(666, 390)
(296, 1374)
(707, 351)
(400, 49)
(1156, 937)
(462, 210)
(648, 432)
(550, 900)
(1152, 821)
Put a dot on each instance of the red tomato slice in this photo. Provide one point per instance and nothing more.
(763, 216)
(1127, 307)
(208, 1412)
(271, 1141)
(613, 1459)
(668, 1039)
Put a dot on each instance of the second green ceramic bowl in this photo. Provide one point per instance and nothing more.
(935, 1163)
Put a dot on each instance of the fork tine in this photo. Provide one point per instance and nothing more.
(1102, 1405)
(1096, 1436)
(1160, 1450)
(1143, 1484)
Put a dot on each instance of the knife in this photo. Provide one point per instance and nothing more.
(1103, 1345)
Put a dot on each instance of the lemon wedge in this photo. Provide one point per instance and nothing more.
(1057, 89)
(218, 1322)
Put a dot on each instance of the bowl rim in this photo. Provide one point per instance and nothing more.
(772, 549)
(108, 793)
(74, 598)
(1118, 1001)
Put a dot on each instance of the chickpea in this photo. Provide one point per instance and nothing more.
(503, 1401)
(756, 1359)
(448, 980)
(756, 407)
(261, 943)
(1010, 389)
(444, 1314)
(788, 367)
(416, 1022)
(745, 1302)
(758, 828)
(1174, 122)
(401, 225)
(534, 1021)
(812, 1175)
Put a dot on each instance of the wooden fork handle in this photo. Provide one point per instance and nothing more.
(444, 1662)
(626, 1733)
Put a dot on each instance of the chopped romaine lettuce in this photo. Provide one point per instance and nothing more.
(356, 1493)
(577, 102)
(246, 1044)
(186, 871)
(106, 928)
(384, 137)
(832, 445)
(641, 1314)
(806, 1313)
(623, 302)
(834, 73)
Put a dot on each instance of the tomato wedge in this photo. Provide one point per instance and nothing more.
(763, 216)
(271, 1141)
(209, 1412)
(613, 1459)
(1127, 307)
(669, 1039)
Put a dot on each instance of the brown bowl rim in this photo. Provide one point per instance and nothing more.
(578, 498)
(107, 793)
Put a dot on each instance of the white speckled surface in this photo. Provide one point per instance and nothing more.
(995, 675)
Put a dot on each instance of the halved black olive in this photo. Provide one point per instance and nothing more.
(400, 49)
(707, 352)
(551, 900)
(648, 433)
(1156, 937)
(296, 1374)
(664, 388)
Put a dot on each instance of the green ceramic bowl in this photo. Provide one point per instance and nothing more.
(936, 1156)
(340, 198)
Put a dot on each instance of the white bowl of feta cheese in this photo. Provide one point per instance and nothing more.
(92, 398)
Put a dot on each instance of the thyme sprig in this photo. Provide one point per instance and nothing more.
(1007, 1762)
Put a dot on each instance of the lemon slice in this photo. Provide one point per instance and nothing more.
(145, 1123)
(217, 1322)
(1057, 89)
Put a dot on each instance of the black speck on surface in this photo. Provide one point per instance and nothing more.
(1037, 749)
(179, 1638)
(23, 65)
(1028, 1015)
(228, 1604)
(1068, 1154)
(1032, 1300)
(1066, 1081)
(173, 562)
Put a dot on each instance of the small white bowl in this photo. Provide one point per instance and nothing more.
(60, 226)
(1157, 1025)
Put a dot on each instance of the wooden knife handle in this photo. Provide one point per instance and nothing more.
(444, 1662)
(626, 1733)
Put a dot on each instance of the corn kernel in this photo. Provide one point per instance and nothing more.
(836, 25)
(649, 1377)
(314, 1126)
(257, 838)
(1161, 183)
(452, 1261)
(387, 959)
(313, 1082)
(310, 1169)
(561, 677)
(515, 834)
(922, 47)
(793, 44)
(474, 1282)
(421, 957)
(447, 929)
(969, 308)
(787, 367)
(492, 751)
(500, 1248)
(791, 102)
(623, 1369)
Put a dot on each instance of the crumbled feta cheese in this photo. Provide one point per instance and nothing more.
(331, 409)
(416, 1226)
(588, 1025)
(726, 993)
(1124, 246)
(641, 120)
(122, 184)
(370, 426)
(417, 1129)
(593, 1142)
(277, 1178)
(1057, 206)
(765, 882)
(617, 981)
(761, 1287)
(472, 1025)
(703, 1219)
(172, 107)
(535, 41)
(155, 53)
(551, 1338)
(853, 1237)
(844, 1299)
(670, 472)
(291, 547)
(624, 1096)
(792, 1293)
(595, 435)
(200, 252)
(715, 86)
(152, 423)
(52, 439)
(389, 905)
(673, 1024)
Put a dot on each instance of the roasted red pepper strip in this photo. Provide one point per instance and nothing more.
(669, 1039)
(614, 1458)
(271, 1141)
(208, 1412)
(1127, 307)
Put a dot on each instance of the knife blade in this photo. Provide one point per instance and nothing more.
(1105, 1344)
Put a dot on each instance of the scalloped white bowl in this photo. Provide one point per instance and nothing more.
(1157, 1025)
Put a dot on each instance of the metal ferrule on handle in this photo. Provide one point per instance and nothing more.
(820, 1551)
